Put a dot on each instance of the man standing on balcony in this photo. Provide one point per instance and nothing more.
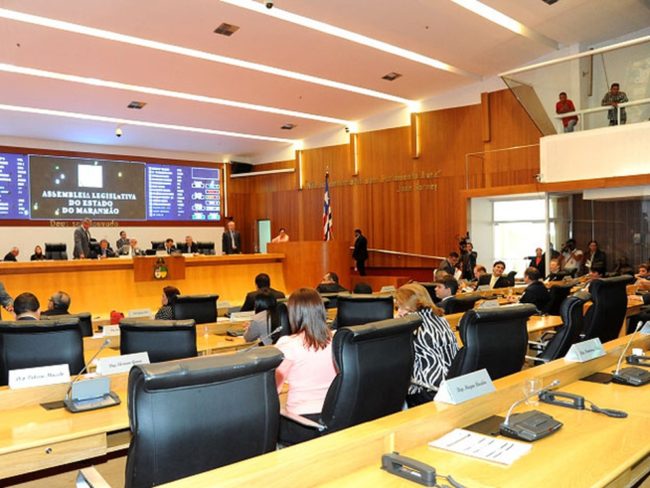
(563, 106)
(613, 97)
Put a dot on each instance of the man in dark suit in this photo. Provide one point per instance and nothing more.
(449, 265)
(82, 240)
(12, 255)
(27, 307)
(122, 241)
(5, 299)
(445, 290)
(231, 240)
(169, 246)
(263, 284)
(330, 284)
(536, 293)
(496, 279)
(189, 246)
(360, 253)
(104, 250)
(58, 304)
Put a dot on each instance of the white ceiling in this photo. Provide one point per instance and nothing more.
(435, 28)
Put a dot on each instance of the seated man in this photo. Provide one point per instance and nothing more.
(189, 246)
(449, 264)
(555, 274)
(131, 249)
(105, 250)
(536, 292)
(27, 307)
(12, 255)
(330, 284)
(496, 279)
(122, 241)
(445, 289)
(263, 284)
(169, 246)
(58, 304)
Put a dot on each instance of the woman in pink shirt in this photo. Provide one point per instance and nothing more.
(308, 365)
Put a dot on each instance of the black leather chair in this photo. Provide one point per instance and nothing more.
(431, 286)
(362, 309)
(34, 343)
(201, 308)
(163, 340)
(186, 417)
(605, 317)
(558, 294)
(330, 300)
(374, 363)
(157, 245)
(206, 248)
(461, 303)
(565, 336)
(56, 251)
(511, 277)
(495, 339)
(282, 320)
(85, 321)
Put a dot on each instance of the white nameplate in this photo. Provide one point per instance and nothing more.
(44, 375)
(585, 351)
(387, 289)
(241, 316)
(120, 364)
(645, 330)
(463, 388)
(489, 304)
(138, 313)
(111, 330)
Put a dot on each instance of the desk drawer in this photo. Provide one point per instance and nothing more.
(49, 455)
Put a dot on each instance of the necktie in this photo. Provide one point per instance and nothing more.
(232, 240)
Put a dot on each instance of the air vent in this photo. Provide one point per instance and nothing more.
(226, 29)
(288, 126)
(136, 105)
(392, 76)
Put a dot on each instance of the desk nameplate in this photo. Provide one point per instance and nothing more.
(466, 387)
(585, 351)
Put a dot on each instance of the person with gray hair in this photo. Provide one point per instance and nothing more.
(12, 255)
(82, 240)
(58, 304)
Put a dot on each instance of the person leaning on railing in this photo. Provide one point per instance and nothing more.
(563, 106)
(613, 97)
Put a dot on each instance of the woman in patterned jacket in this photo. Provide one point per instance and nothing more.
(435, 343)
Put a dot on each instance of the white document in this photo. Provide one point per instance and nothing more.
(488, 448)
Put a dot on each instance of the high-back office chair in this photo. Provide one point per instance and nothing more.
(362, 309)
(163, 340)
(495, 339)
(511, 277)
(56, 251)
(557, 294)
(462, 303)
(201, 308)
(282, 320)
(605, 317)
(430, 286)
(85, 321)
(374, 363)
(157, 245)
(565, 336)
(34, 343)
(186, 417)
(330, 300)
(206, 248)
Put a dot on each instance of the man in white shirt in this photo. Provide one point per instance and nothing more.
(572, 257)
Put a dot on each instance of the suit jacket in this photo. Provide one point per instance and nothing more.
(445, 265)
(249, 302)
(109, 253)
(126, 250)
(184, 248)
(444, 304)
(10, 257)
(170, 250)
(55, 311)
(360, 252)
(121, 243)
(81, 243)
(599, 259)
(502, 282)
(541, 267)
(537, 294)
(226, 242)
(330, 288)
(5, 298)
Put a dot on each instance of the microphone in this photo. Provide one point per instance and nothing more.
(105, 344)
(533, 425)
(630, 376)
(262, 339)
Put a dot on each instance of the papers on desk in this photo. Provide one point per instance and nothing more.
(481, 446)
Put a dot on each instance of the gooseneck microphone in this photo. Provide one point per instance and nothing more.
(262, 339)
(104, 345)
(553, 384)
(630, 376)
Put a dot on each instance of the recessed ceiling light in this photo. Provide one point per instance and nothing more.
(332, 30)
(139, 123)
(288, 126)
(136, 105)
(226, 29)
(9, 68)
(392, 76)
(193, 53)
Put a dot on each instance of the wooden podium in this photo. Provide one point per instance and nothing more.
(306, 262)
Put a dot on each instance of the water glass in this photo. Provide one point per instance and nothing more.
(532, 385)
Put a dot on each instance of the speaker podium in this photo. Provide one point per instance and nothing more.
(306, 262)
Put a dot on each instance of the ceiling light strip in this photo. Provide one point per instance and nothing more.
(332, 30)
(140, 123)
(10, 68)
(503, 20)
(192, 53)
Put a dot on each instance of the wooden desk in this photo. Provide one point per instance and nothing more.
(357, 451)
(100, 286)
